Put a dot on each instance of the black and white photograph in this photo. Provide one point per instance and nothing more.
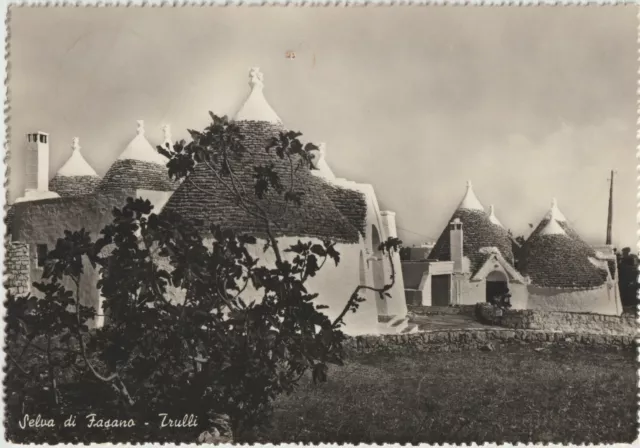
(321, 225)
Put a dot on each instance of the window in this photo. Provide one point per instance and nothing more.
(41, 250)
(43, 138)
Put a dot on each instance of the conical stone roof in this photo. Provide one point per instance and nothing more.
(555, 255)
(139, 167)
(205, 198)
(76, 177)
(554, 214)
(478, 231)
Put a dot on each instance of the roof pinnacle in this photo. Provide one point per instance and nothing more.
(140, 130)
(166, 132)
(256, 78)
(255, 107)
(555, 213)
(470, 200)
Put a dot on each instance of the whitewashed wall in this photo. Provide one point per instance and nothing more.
(602, 300)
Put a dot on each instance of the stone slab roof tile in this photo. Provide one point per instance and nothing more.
(73, 185)
(131, 174)
(561, 261)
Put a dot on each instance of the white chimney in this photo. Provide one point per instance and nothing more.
(389, 223)
(37, 168)
(455, 244)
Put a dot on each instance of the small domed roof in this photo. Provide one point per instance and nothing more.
(76, 177)
(76, 165)
(140, 149)
(139, 167)
(555, 255)
(554, 214)
(478, 232)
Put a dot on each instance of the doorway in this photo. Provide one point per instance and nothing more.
(440, 290)
(497, 285)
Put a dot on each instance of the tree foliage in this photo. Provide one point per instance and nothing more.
(196, 322)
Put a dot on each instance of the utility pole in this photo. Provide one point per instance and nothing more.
(610, 215)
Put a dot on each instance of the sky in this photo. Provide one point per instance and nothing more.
(529, 103)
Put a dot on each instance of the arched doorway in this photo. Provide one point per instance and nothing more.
(376, 265)
(497, 284)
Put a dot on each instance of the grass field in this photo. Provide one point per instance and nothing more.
(514, 394)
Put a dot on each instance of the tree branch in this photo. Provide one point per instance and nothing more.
(359, 288)
(107, 379)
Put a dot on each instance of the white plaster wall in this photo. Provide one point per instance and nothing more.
(600, 300)
(157, 198)
(519, 296)
(396, 304)
(334, 284)
(472, 292)
(425, 287)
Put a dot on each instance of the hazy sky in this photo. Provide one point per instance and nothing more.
(527, 102)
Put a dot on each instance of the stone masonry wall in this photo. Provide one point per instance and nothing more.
(558, 321)
(17, 268)
(459, 340)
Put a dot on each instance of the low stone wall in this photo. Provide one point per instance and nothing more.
(557, 321)
(17, 280)
(468, 310)
(480, 339)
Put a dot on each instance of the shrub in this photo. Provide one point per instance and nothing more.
(215, 352)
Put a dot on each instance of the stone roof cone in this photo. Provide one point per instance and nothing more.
(326, 211)
(479, 231)
(76, 165)
(139, 167)
(256, 107)
(554, 214)
(76, 177)
(140, 149)
(555, 255)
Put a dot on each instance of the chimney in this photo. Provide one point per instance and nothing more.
(389, 223)
(455, 244)
(37, 170)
